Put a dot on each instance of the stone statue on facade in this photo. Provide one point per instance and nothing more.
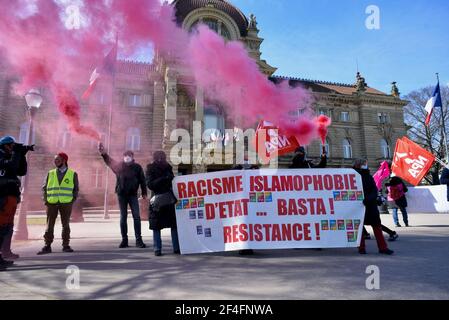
(394, 90)
(361, 84)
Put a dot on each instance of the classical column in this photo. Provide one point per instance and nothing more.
(170, 106)
(197, 163)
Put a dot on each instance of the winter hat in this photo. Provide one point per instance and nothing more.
(7, 140)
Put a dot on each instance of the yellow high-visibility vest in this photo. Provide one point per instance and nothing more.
(60, 193)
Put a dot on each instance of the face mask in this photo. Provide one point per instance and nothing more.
(127, 159)
(365, 167)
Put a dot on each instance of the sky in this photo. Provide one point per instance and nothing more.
(324, 40)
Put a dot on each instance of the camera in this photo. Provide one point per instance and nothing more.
(18, 147)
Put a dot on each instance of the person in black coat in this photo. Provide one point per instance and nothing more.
(130, 177)
(159, 177)
(445, 180)
(13, 165)
(300, 160)
(396, 190)
(372, 215)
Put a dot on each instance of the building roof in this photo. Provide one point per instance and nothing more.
(184, 7)
(324, 86)
(134, 67)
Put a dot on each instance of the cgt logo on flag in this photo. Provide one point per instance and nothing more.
(411, 162)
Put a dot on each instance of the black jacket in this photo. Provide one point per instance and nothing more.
(300, 163)
(372, 215)
(445, 180)
(12, 166)
(159, 180)
(129, 177)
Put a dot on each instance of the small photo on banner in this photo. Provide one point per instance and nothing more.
(261, 197)
(186, 204)
(252, 197)
(333, 225)
(341, 224)
(356, 224)
(359, 195)
(351, 236)
(324, 225)
(192, 214)
(199, 230)
(179, 205)
(268, 197)
(352, 196)
(337, 196)
(193, 203)
(200, 202)
(207, 232)
(200, 214)
(349, 225)
(344, 196)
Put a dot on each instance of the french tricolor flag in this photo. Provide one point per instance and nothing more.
(107, 68)
(434, 101)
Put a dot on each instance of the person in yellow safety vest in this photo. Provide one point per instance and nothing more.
(61, 189)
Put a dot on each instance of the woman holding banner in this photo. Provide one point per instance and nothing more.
(159, 176)
(372, 215)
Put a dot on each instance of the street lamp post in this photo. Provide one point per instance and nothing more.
(34, 100)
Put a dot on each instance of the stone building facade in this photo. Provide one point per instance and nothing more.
(150, 100)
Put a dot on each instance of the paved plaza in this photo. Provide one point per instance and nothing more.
(419, 269)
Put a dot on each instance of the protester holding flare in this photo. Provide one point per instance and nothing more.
(372, 215)
(12, 165)
(130, 177)
(60, 190)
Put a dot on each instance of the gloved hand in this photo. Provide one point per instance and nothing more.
(18, 147)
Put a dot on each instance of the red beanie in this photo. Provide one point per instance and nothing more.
(64, 156)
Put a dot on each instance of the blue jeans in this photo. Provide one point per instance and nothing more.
(157, 240)
(134, 205)
(404, 215)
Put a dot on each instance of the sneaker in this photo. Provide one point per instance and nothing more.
(45, 250)
(11, 256)
(393, 237)
(368, 237)
(398, 225)
(246, 252)
(67, 249)
(362, 251)
(123, 244)
(6, 263)
(386, 251)
(407, 225)
(140, 244)
(157, 253)
(177, 252)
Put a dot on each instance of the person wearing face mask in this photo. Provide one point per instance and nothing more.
(300, 160)
(372, 215)
(159, 177)
(60, 190)
(130, 177)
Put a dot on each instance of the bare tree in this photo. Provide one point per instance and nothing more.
(429, 137)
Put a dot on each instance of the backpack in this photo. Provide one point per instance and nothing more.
(396, 192)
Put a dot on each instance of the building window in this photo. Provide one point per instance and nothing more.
(215, 25)
(133, 139)
(326, 146)
(344, 116)
(94, 144)
(96, 178)
(347, 149)
(100, 98)
(385, 147)
(65, 139)
(383, 118)
(23, 135)
(213, 124)
(135, 100)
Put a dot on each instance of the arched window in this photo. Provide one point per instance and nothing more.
(133, 139)
(385, 147)
(65, 138)
(326, 146)
(215, 25)
(347, 149)
(213, 123)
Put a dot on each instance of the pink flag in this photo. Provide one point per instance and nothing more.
(381, 174)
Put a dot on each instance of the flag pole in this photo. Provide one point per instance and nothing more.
(443, 123)
(108, 147)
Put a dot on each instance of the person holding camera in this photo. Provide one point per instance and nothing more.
(60, 190)
(130, 177)
(12, 165)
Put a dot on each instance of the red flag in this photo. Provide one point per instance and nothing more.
(107, 67)
(274, 141)
(411, 162)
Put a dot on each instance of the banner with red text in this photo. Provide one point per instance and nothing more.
(269, 209)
